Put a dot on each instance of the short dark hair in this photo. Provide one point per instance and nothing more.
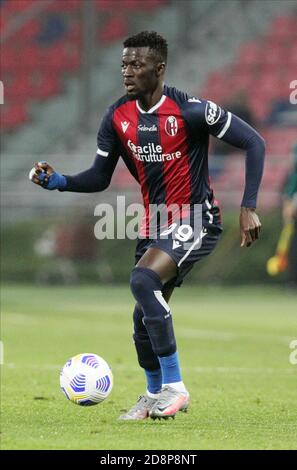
(152, 40)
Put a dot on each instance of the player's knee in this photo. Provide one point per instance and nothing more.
(137, 282)
(143, 282)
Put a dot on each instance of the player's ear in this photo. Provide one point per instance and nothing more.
(160, 68)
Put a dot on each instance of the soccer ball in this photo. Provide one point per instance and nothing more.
(86, 379)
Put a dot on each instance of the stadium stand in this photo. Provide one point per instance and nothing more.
(49, 46)
(264, 66)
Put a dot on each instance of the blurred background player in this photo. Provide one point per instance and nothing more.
(289, 213)
(286, 250)
(162, 135)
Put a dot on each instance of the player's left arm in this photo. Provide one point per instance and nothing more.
(210, 118)
(240, 134)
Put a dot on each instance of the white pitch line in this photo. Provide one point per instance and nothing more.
(229, 336)
(206, 334)
(202, 370)
(212, 335)
(242, 370)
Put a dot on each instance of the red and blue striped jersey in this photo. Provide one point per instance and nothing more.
(166, 149)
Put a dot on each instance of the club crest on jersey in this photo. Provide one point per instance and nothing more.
(212, 113)
(171, 126)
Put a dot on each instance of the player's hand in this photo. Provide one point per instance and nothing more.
(40, 173)
(250, 226)
(44, 175)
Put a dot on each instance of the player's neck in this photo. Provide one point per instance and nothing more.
(149, 100)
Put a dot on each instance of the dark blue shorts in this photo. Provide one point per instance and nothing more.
(184, 253)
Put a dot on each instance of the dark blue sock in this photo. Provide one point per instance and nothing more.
(170, 369)
(154, 380)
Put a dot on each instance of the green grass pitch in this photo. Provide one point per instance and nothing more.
(234, 351)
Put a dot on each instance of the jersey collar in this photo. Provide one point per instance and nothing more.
(151, 110)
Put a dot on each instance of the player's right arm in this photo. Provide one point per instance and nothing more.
(94, 179)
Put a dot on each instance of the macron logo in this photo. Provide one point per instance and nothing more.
(125, 125)
(175, 244)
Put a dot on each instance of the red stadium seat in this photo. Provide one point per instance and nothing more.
(29, 58)
(262, 68)
(63, 57)
(250, 53)
(3, 22)
(239, 81)
(114, 29)
(32, 69)
(136, 5)
(293, 56)
(27, 33)
(64, 6)
(279, 141)
(284, 26)
(276, 54)
(128, 5)
(16, 87)
(44, 86)
(9, 59)
(215, 79)
(74, 36)
(13, 116)
(273, 178)
(260, 107)
(10, 8)
(104, 5)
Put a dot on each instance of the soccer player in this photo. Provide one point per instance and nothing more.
(162, 134)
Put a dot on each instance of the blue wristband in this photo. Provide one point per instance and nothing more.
(55, 181)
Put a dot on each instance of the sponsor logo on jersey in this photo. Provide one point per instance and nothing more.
(125, 125)
(212, 113)
(144, 128)
(171, 126)
(151, 152)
